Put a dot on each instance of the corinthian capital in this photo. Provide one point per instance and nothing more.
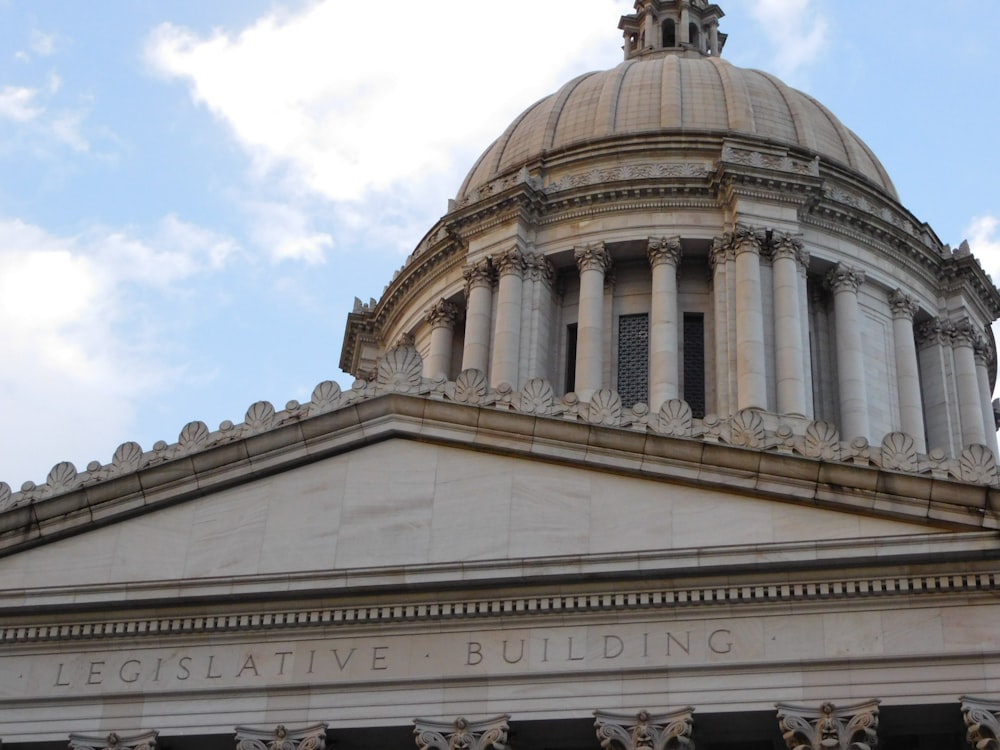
(280, 738)
(964, 333)
(664, 250)
(539, 268)
(592, 257)
(902, 306)
(461, 734)
(478, 274)
(645, 731)
(442, 314)
(937, 331)
(113, 741)
(829, 728)
(981, 721)
(511, 261)
(746, 239)
(784, 245)
(843, 278)
(721, 251)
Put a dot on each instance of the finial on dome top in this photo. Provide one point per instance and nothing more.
(673, 26)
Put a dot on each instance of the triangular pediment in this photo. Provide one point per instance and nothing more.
(402, 503)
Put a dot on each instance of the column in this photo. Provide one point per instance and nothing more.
(507, 341)
(478, 316)
(593, 261)
(751, 385)
(643, 730)
(721, 259)
(845, 282)
(114, 741)
(486, 734)
(312, 737)
(788, 325)
(829, 727)
(664, 375)
(442, 318)
(911, 408)
(539, 277)
(807, 364)
(935, 355)
(970, 408)
(713, 39)
(982, 719)
(983, 359)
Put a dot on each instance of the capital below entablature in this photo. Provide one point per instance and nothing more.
(592, 257)
(982, 722)
(645, 731)
(664, 250)
(510, 262)
(312, 737)
(844, 278)
(462, 734)
(935, 332)
(902, 305)
(442, 314)
(746, 239)
(963, 333)
(538, 268)
(114, 741)
(830, 727)
(481, 274)
(784, 245)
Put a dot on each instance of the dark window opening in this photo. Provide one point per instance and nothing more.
(694, 363)
(570, 384)
(669, 33)
(693, 35)
(633, 359)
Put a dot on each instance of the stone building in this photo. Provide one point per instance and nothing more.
(675, 431)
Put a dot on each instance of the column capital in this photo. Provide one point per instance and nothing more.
(312, 737)
(593, 256)
(981, 719)
(442, 314)
(844, 278)
(510, 262)
(936, 331)
(746, 239)
(830, 727)
(983, 351)
(902, 305)
(645, 731)
(539, 268)
(462, 734)
(664, 250)
(478, 274)
(963, 333)
(721, 251)
(114, 741)
(784, 245)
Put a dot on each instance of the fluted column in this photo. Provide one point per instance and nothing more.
(507, 341)
(911, 408)
(983, 357)
(312, 737)
(721, 259)
(936, 358)
(486, 734)
(788, 325)
(664, 374)
(644, 731)
(442, 318)
(751, 388)
(845, 282)
(593, 261)
(970, 407)
(830, 727)
(536, 334)
(478, 316)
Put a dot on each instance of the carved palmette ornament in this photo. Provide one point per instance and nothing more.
(399, 371)
(462, 734)
(114, 741)
(281, 738)
(982, 724)
(830, 727)
(645, 731)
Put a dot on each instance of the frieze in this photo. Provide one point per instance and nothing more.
(628, 172)
(777, 162)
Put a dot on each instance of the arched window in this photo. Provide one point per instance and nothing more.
(693, 35)
(669, 33)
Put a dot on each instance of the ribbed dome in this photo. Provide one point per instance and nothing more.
(675, 93)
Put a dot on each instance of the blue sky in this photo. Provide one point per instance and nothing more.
(192, 193)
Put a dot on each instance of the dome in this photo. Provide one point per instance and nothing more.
(675, 93)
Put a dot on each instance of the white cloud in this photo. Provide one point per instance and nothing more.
(796, 29)
(42, 44)
(17, 103)
(75, 346)
(351, 106)
(983, 234)
(284, 232)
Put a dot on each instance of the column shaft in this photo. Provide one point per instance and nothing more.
(442, 318)
(750, 363)
(911, 407)
(969, 400)
(478, 317)
(507, 340)
(788, 324)
(664, 374)
(721, 254)
(593, 261)
(845, 282)
(983, 375)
